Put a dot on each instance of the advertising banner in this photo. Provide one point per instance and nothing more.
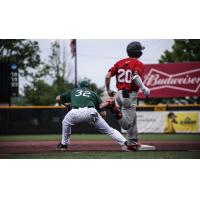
(150, 122)
(172, 80)
(181, 122)
(169, 122)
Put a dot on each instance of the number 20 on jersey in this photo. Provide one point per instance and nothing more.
(124, 76)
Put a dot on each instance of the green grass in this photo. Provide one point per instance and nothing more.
(108, 155)
(96, 137)
(29, 137)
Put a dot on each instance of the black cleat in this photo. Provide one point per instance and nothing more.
(62, 147)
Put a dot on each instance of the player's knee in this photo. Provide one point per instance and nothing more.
(65, 122)
(125, 124)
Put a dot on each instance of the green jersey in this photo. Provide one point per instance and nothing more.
(81, 97)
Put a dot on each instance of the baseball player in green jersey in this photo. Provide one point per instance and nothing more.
(86, 107)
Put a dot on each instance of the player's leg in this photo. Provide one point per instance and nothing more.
(124, 101)
(101, 125)
(132, 132)
(66, 132)
(104, 128)
(129, 119)
(67, 122)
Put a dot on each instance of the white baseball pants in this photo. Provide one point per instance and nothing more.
(76, 116)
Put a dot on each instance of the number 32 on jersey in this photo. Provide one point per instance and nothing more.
(124, 76)
(82, 93)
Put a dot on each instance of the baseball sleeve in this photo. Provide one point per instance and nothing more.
(65, 97)
(138, 70)
(113, 70)
(98, 102)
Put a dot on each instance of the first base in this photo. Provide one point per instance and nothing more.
(144, 147)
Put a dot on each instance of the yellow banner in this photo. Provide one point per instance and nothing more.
(181, 122)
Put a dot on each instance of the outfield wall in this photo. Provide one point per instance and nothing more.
(48, 120)
(40, 120)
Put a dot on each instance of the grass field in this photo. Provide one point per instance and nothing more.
(108, 155)
(105, 155)
(96, 137)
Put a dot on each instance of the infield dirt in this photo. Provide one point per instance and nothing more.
(29, 147)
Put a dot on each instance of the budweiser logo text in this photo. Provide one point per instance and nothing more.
(186, 81)
(155, 79)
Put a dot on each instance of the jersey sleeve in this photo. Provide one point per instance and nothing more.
(98, 102)
(138, 69)
(113, 70)
(66, 97)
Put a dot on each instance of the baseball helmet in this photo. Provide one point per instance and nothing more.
(134, 49)
(84, 83)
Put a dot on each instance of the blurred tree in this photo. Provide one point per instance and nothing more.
(24, 53)
(183, 50)
(39, 93)
(42, 93)
(53, 68)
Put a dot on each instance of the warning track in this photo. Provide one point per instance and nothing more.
(30, 147)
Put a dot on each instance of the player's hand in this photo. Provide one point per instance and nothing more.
(58, 99)
(146, 91)
(107, 104)
(111, 93)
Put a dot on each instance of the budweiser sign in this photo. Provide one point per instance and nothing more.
(173, 80)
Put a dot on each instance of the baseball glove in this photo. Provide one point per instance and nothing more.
(110, 105)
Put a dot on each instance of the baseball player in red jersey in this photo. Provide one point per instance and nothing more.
(128, 73)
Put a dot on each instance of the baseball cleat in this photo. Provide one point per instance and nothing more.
(62, 147)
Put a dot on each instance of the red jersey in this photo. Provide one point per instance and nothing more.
(124, 70)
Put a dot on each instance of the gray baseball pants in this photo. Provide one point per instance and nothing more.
(129, 119)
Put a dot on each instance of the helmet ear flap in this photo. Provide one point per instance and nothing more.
(135, 54)
(140, 54)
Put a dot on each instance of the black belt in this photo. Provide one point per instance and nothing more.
(76, 107)
(130, 91)
(125, 94)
